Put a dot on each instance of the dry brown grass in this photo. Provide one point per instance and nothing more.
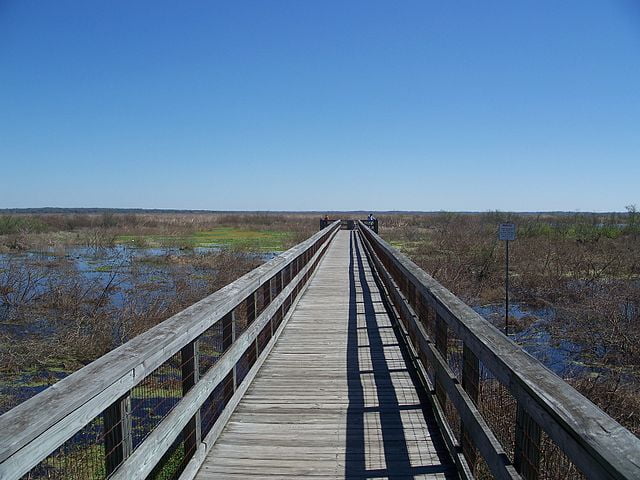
(584, 267)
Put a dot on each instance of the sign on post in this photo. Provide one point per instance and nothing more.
(507, 232)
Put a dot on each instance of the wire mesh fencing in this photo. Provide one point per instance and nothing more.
(82, 457)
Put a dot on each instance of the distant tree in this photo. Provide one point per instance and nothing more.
(632, 219)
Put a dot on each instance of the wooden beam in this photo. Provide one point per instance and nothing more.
(190, 358)
(527, 445)
(118, 442)
(470, 384)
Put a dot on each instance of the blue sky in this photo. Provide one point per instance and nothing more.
(301, 105)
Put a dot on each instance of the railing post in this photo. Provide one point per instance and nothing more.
(286, 275)
(411, 294)
(266, 294)
(527, 445)
(118, 440)
(191, 434)
(441, 346)
(470, 383)
(251, 308)
(228, 337)
(272, 294)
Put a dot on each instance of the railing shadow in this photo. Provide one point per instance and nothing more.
(377, 443)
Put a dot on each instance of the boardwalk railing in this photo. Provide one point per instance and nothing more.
(504, 414)
(152, 407)
(350, 224)
(344, 224)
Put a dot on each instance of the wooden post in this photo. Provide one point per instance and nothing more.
(228, 337)
(441, 345)
(234, 333)
(273, 293)
(470, 383)
(118, 440)
(411, 294)
(251, 308)
(255, 314)
(266, 295)
(191, 434)
(253, 300)
(527, 446)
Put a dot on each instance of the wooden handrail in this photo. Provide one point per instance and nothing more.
(34, 429)
(598, 445)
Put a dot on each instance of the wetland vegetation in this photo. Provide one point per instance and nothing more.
(575, 289)
(74, 286)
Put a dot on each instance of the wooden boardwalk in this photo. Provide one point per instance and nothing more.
(335, 398)
(326, 392)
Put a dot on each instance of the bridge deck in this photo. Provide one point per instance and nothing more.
(335, 398)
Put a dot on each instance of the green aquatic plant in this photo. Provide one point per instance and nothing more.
(236, 238)
(103, 268)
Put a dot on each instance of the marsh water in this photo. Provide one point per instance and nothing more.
(117, 269)
(124, 274)
(117, 279)
(560, 356)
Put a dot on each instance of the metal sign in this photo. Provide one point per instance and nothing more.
(507, 231)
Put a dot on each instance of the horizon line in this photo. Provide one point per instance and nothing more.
(44, 210)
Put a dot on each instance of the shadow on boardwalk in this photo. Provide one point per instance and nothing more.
(387, 436)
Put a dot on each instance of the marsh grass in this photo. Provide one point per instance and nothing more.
(233, 237)
(584, 267)
(242, 231)
(56, 317)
